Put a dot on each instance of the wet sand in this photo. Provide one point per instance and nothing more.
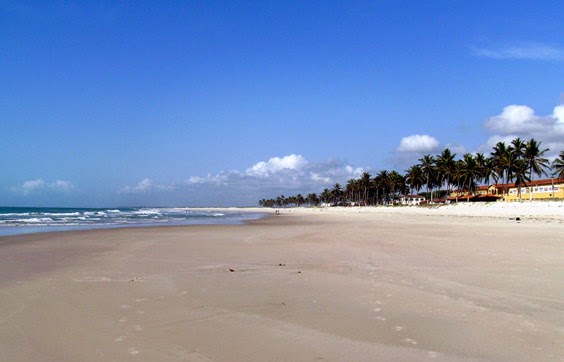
(300, 286)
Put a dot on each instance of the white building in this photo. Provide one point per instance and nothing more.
(412, 200)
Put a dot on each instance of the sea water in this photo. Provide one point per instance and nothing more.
(21, 220)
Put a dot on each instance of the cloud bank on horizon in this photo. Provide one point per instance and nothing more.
(291, 173)
(294, 173)
(30, 187)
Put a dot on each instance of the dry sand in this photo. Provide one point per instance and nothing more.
(301, 286)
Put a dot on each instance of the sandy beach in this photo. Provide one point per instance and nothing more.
(380, 284)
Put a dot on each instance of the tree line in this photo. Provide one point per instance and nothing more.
(518, 162)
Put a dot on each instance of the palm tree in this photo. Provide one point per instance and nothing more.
(312, 199)
(445, 166)
(558, 166)
(352, 190)
(518, 146)
(326, 196)
(469, 172)
(381, 182)
(481, 162)
(534, 160)
(427, 164)
(337, 193)
(520, 175)
(397, 184)
(457, 177)
(503, 161)
(280, 200)
(365, 185)
(488, 170)
(415, 178)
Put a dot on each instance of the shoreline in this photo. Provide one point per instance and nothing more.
(299, 286)
(526, 211)
(56, 223)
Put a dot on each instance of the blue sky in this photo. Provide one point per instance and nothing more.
(107, 103)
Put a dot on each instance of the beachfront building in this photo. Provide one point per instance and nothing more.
(547, 189)
(412, 200)
(488, 190)
(472, 197)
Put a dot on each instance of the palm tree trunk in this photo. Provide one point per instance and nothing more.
(532, 180)
(505, 186)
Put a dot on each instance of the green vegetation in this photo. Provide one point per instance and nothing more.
(518, 162)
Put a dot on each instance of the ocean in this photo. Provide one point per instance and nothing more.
(23, 220)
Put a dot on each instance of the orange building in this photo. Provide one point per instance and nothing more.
(547, 189)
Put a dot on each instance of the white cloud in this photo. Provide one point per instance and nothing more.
(62, 185)
(318, 178)
(521, 121)
(37, 185)
(515, 119)
(196, 180)
(277, 164)
(487, 147)
(458, 149)
(527, 51)
(558, 113)
(418, 144)
(279, 175)
(143, 186)
(32, 185)
(291, 171)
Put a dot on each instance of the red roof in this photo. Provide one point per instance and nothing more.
(544, 182)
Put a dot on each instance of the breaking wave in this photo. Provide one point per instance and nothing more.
(24, 220)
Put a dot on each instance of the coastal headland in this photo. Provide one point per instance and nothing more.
(468, 283)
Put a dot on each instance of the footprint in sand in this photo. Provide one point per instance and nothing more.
(409, 340)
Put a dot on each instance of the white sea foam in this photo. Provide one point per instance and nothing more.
(55, 219)
(148, 212)
(58, 214)
(33, 220)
